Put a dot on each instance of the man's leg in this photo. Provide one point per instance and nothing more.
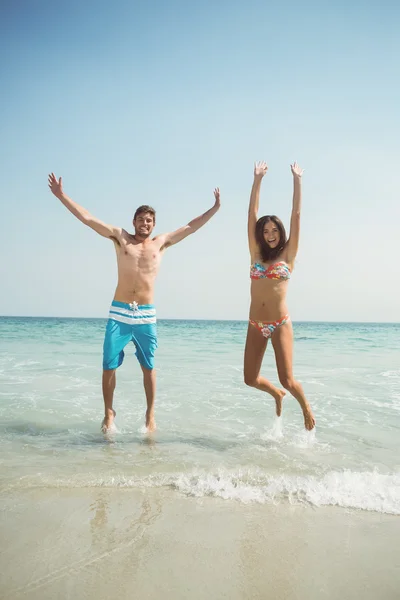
(109, 381)
(145, 340)
(116, 337)
(149, 382)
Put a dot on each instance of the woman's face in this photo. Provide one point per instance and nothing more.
(271, 234)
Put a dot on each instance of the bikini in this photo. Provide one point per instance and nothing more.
(279, 271)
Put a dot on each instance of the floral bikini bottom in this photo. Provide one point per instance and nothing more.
(266, 328)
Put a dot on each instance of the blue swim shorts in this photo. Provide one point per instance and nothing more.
(130, 322)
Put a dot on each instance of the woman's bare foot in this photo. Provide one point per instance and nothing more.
(150, 422)
(108, 421)
(309, 420)
(280, 394)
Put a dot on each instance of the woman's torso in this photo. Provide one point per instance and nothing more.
(269, 283)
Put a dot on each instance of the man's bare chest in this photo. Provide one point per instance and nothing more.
(139, 258)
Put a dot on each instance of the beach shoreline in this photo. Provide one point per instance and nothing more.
(225, 500)
(156, 543)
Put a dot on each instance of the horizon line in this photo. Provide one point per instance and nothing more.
(201, 319)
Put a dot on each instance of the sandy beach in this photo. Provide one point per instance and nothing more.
(156, 544)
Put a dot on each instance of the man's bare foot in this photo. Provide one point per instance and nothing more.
(278, 400)
(108, 421)
(309, 420)
(150, 422)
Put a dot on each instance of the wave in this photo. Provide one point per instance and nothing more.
(370, 491)
(366, 491)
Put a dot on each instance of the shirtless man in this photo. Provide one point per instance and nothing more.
(132, 314)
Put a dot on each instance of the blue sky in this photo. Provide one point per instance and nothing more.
(159, 102)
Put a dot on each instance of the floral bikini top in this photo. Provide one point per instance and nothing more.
(278, 270)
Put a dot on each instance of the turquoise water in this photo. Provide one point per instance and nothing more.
(216, 437)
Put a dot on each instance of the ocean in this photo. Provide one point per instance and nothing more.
(218, 445)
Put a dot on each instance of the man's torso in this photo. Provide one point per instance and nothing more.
(138, 265)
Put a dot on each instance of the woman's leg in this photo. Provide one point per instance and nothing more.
(282, 342)
(256, 345)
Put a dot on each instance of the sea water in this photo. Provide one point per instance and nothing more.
(216, 437)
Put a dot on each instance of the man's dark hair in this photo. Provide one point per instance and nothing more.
(145, 208)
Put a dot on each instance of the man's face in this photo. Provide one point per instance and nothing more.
(143, 224)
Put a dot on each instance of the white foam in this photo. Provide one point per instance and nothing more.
(110, 431)
(144, 430)
(371, 491)
(306, 439)
(276, 431)
(348, 489)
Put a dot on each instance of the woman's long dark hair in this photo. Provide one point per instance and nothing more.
(267, 253)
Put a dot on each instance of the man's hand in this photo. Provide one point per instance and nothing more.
(296, 170)
(194, 225)
(260, 168)
(56, 186)
(108, 231)
(217, 197)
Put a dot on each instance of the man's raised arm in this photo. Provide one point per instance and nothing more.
(108, 231)
(194, 225)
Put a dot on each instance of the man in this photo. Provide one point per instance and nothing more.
(132, 314)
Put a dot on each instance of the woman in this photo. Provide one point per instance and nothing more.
(272, 258)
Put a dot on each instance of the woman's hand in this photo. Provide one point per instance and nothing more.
(296, 170)
(260, 168)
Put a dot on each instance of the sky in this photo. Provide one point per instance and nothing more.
(158, 102)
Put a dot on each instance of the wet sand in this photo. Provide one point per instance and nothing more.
(95, 543)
